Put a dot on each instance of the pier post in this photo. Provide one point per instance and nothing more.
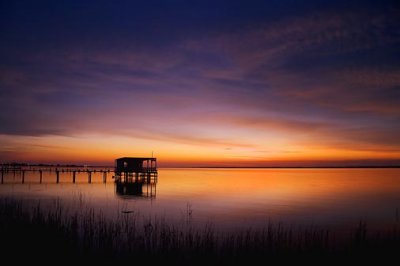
(104, 177)
(73, 176)
(2, 175)
(41, 175)
(89, 177)
(23, 177)
(57, 176)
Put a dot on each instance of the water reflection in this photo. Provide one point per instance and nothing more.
(135, 189)
(229, 198)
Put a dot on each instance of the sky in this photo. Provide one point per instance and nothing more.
(200, 83)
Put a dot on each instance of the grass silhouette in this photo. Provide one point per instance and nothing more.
(44, 234)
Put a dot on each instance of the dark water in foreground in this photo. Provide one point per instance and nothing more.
(231, 198)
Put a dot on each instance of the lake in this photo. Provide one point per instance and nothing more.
(230, 199)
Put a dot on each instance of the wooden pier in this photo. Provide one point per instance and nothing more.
(131, 175)
(126, 170)
(22, 172)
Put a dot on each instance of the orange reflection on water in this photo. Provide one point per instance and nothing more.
(332, 195)
(296, 182)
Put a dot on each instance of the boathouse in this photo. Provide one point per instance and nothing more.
(135, 169)
(136, 164)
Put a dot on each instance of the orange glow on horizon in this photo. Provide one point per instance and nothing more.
(100, 150)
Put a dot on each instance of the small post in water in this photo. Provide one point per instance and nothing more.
(104, 177)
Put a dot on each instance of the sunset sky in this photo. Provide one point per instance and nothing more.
(200, 83)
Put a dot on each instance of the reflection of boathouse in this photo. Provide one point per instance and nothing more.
(134, 173)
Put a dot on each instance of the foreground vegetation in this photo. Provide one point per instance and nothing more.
(55, 236)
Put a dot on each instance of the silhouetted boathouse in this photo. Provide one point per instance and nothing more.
(135, 169)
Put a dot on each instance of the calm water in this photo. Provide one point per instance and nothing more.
(232, 198)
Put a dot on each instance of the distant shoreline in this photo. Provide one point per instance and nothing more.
(205, 167)
(272, 167)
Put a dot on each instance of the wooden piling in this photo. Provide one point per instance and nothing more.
(104, 177)
(41, 176)
(73, 176)
(2, 175)
(148, 177)
(57, 176)
(23, 177)
(89, 177)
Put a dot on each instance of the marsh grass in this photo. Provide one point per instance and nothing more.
(88, 236)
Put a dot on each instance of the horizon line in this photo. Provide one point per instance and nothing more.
(215, 167)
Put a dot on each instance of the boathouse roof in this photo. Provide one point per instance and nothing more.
(136, 158)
